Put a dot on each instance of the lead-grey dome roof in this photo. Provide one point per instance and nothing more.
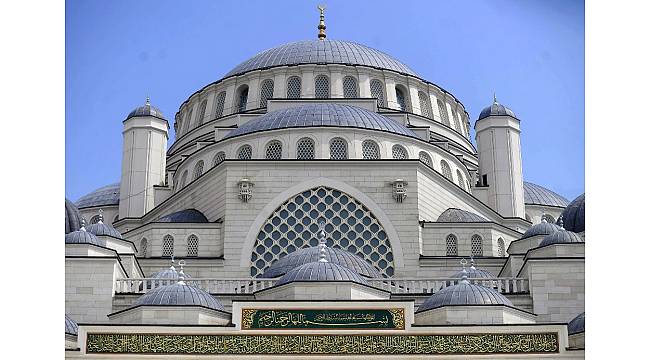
(101, 229)
(573, 216)
(464, 294)
(322, 115)
(577, 325)
(311, 254)
(71, 326)
(496, 109)
(543, 228)
(169, 273)
(104, 196)
(146, 110)
(561, 237)
(72, 217)
(321, 271)
(178, 294)
(457, 215)
(538, 195)
(184, 216)
(83, 237)
(321, 52)
(473, 273)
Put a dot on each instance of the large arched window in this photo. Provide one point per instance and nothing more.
(274, 150)
(454, 114)
(452, 245)
(305, 149)
(501, 247)
(198, 170)
(425, 106)
(350, 88)
(400, 96)
(322, 87)
(245, 152)
(294, 86)
(242, 98)
(425, 158)
(477, 245)
(338, 149)
(168, 245)
(377, 91)
(399, 152)
(143, 247)
(444, 116)
(220, 102)
(266, 92)
(370, 149)
(446, 170)
(218, 158)
(460, 179)
(192, 246)
(201, 114)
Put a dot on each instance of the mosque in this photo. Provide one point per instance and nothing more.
(323, 200)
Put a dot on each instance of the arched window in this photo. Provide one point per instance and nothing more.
(338, 149)
(425, 107)
(501, 247)
(245, 152)
(201, 114)
(401, 99)
(168, 246)
(322, 87)
(350, 89)
(549, 219)
(377, 91)
(370, 149)
(425, 158)
(198, 170)
(294, 86)
(143, 248)
(477, 245)
(454, 114)
(444, 116)
(94, 219)
(192, 246)
(242, 99)
(221, 100)
(187, 121)
(221, 156)
(274, 150)
(460, 179)
(399, 152)
(183, 180)
(266, 92)
(452, 245)
(305, 149)
(446, 170)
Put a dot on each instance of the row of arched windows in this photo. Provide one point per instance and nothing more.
(192, 243)
(476, 246)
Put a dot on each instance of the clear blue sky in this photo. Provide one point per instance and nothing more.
(530, 52)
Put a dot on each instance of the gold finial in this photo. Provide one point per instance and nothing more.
(321, 24)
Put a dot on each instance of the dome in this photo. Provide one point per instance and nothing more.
(577, 325)
(169, 273)
(457, 215)
(100, 229)
(322, 115)
(83, 237)
(184, 216)
(573, 216)
(474, 273)
(321, 271)
(104, 196)
(71, 326)
(72, 217)
(561, 237)
(543, 228)
(146, 110)
(321, 52)
(311, 254)
(178, 294)
(539, 195)
(496, 109)
(464, 294)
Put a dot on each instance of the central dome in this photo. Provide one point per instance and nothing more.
(321, 52)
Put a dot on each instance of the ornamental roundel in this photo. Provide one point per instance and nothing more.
(348, 226)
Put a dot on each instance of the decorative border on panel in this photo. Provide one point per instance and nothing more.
(333, 318)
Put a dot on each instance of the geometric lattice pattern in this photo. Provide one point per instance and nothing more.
(221, 100)
(377, 92)
(425, 108)
(446, 170)
(192, 246)
(370, 149)
(454, 114)
(322, 87)
(168, 246)
(305, 149)
(266, 92)
(501, 247)
(350, 87)
(143, 247)
(399, 152)
(274, 150)
(443, 113)
(477, 245)
(198, 170)
(338, 149)
(425, 158)
(452, 245)
(349, 226)
(245, 152)
(188, 120)
(221, 156)
(293, 87)
(201, 114)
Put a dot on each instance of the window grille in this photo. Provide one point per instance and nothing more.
(94, 219)
(425, 108)
(452, 245)
(350, 87)
(446, 170)
(322, 87)
(221, 156)
(501, 247)
(377, 91)
(305, 149)
(198, 170)
(477, 245)
(370, 149)
(454, 114)
(168, 246)
(294, 86)
(143, 248)
(192, 246)
(338, 149)
(274, 150)
(221, 100)
(266, 92)
(243, 99)
(245, 152)
(401, 100)
(460, 179)
(425, 158)
(399, 152)
(443, 113)
(201, 114)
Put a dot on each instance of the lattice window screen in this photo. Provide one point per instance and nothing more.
(266, 92)
(501, 247)
(294, 87)
(425, 108)
(370, 150)
(446, 170)
(274, 150)
(198, 169)
(350, 87)
(425, 158)
(454, 114)
(221, 100)
(442, 108)
(460, 179)
(221, 156)
(245, 152)
(452, 245)
(168, 246)
(377, 91)
(192, 246)
(399, 152)
(477, 245)
(322, 87)
(338, 149)
(305, 149)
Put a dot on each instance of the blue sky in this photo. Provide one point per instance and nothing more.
(531, 53)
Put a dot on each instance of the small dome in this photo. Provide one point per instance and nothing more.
(169, 273)
(311, 254)
(146, 110)
(71, 326)
(538, 195)
(184, 216)
(72, 217)
(561, 237)
(496, 109)
(178, 294)
(573, 216)
(457, 215)
(464, 294)
(83, 237)
(577, 325)
(100, 228)
(104, 196)
(543, 228)
(474, 273)
(321, 271)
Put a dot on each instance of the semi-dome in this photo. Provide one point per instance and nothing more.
(72, 217)
(561, 237)
(577, 325)
(538, 195)
(496, 109)
(311, 254)
(101, 229)
(464, 294)
(543, 228)
(184, 216)
(178, 294)
(321, 271)
(573, 217)
(83, 237)
(321, 52)
(322, 115)
(457, 215)
(104, 196)
(146, 110)
(71, 327)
